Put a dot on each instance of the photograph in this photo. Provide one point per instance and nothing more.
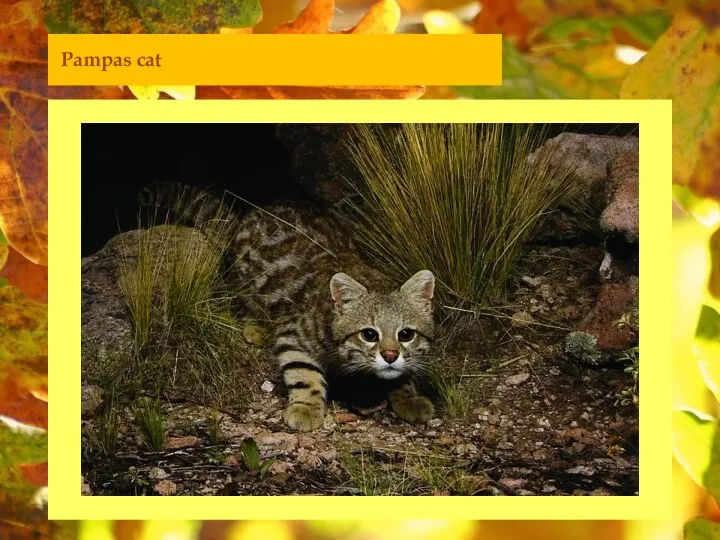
(360, 309)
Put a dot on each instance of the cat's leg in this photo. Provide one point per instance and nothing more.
(305, 382)
(409, 405)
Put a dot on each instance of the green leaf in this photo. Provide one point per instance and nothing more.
(701, 529)
(251, 454)
(149, 16)
(21, 448)
(520, 81)
(707, 343)
(696, 445)
(265, 467)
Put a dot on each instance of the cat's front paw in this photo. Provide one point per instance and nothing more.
(415, 409)
(302, 417)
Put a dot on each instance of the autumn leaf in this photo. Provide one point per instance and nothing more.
(27, 276)
(382, 17)
(544, 12)
(149, 16)
(503, 17)
(684, 65)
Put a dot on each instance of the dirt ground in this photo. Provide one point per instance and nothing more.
(523, 419)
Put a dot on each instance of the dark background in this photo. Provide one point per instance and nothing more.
(247, 159)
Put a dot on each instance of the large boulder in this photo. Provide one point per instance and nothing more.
(589, 159)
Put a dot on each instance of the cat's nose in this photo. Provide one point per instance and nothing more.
(389, 356)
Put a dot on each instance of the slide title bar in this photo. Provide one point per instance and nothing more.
(274, 59)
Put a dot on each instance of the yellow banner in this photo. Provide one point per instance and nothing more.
(263, 59)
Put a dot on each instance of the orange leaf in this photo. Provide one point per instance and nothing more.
(382, 17)
(18, 403)
(314, 19)
(23, 129)
(36, 474)
(29, 277)
(503, 17)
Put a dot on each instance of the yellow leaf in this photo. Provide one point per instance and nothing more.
(684, 66)
(153, 92)
(442, 22)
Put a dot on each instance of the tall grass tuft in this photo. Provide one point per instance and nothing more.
(151, 421)
(180, 297)
(458, 199)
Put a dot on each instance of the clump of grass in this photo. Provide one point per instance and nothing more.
(180, 296)
(105, 435)
(213, 427)
(151, 422)
(458, 199)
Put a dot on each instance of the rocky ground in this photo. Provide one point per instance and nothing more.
(521, 417)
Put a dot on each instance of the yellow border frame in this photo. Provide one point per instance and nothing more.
(65, 118)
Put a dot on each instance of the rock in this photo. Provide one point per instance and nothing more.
(521, 319)
(434, 423)
(166, 487)
(345, 417)
(515, 380)
(306, 441)
(231, 461)
(267, 387)
(91, 400)
(85, 487)
(589, 158)
(107, 336)
(280, 467)
(582, 469)
(281, 441)
(307, 459)
(156, 473)
(532, 281)
(621, 215)
(319, 161)
(173, 443)
(513, 483)
(613, 301)
(468, 448)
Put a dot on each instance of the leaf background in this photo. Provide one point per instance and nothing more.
(558, 49)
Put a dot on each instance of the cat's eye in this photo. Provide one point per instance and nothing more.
(406, 334)
(368, 334)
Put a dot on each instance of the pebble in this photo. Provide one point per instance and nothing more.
(156, 473)
(267, 387)
(166, 487)
(515, 380)
(434, 423)
(285, 442)
(513, 483)
(581, 469)
(173, 443)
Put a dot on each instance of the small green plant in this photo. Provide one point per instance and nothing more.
(630, 394)
(582, 347)
(105, 435)
(251, 458)
(151, 421)
(213, 427)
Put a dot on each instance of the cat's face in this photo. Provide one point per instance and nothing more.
(388, 334)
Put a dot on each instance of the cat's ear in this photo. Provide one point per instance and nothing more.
(420, 288)
(344, 289)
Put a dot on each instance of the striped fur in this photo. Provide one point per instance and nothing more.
(330, 330)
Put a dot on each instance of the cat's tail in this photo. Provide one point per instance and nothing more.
(185, 205)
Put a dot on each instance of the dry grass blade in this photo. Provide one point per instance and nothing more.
(458, 199)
